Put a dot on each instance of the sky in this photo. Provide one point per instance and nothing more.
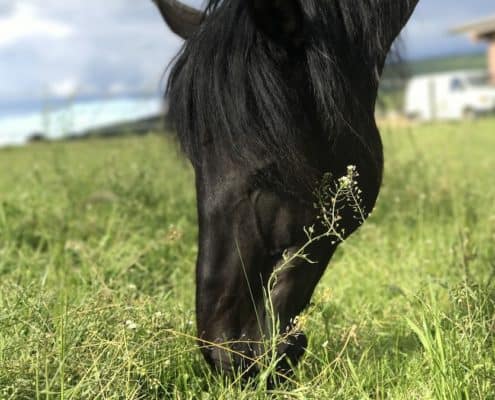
(56, 49)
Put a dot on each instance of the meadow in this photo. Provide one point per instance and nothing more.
(97, 254)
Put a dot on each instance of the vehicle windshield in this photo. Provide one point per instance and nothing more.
(478, 80)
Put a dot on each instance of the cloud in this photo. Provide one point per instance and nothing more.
(23, 22)
(65, 88)
(6, 7)
(110, 47)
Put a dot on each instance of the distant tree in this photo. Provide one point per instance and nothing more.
(37, 137)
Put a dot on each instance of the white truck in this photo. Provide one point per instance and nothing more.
(449, 96)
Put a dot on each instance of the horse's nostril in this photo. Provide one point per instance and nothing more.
(293, 347)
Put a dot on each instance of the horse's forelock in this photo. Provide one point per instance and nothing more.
(228, 87)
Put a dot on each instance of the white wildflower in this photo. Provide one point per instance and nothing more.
(131, 325)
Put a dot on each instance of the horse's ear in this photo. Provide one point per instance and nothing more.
(181, 19)
(280, 20)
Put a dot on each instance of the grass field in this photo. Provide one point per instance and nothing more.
(97, 253)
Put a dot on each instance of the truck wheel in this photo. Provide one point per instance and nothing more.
(469, 114)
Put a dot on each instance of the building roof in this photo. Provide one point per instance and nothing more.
(478, 30)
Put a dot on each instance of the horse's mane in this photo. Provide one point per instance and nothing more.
(229, 84)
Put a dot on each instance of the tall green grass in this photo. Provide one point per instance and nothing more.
(97, 253)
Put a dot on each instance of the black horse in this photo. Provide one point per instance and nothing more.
(267, 96)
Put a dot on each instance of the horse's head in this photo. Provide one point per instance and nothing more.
(266, 96)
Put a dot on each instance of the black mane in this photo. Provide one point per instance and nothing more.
(233, 87)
